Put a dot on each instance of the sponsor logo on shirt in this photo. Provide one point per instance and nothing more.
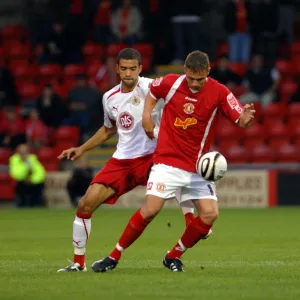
(188, 108)
(232, 101)
(157, 81)
(126, 120)
(190, 99)
(186, 123)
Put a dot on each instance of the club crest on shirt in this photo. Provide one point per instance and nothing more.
(126, 120)
(185, 123)
(135, 100)
(188, 108)
(160, 186)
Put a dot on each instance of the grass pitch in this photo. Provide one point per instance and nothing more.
(253, 254)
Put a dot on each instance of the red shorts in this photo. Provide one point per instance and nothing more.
(123, 175)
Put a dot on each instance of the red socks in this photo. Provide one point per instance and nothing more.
(196, 230)
(189, 217)
(133, 230)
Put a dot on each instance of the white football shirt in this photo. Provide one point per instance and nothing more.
(125, 111)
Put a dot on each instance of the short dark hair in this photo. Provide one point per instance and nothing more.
(197, 61)
(129, 53)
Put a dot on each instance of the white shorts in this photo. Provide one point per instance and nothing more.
(166, 182)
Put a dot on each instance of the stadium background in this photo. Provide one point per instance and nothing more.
(253, 253)
(88, 49)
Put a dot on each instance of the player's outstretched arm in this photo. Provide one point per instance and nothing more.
(148, 123)
(246, 116)
(102, 135)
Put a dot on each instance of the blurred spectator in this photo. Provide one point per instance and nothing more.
(224, 75)
(295, 96)
(126, 23)
(29, 173)
(80, 180)
(50, 107)
(186, 24)
(261, 82)
(81, 102)
(267, 22)
(12, 128)
(236, 24)
(8, 92)
(287, 19)
(55, 46)
(102, 23)
(36, 131)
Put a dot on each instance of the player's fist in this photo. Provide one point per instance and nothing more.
(72, 153)
(148, 126)
(247, 115)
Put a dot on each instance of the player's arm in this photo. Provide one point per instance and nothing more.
(157, 91)
(101, 136)
(233, 109)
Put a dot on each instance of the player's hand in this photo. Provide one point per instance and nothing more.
(247, 115)
(148, 126)
(71, 154)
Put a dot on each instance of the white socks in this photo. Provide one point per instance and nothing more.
(81, 233)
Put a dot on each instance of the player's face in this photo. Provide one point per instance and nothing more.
(129, 71)
(196, 80)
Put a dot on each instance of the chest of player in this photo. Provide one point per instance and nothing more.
(127, 111)
(192, 108)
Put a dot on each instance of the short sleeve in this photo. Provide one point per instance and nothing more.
(109, 121)
(230, 105)
(159, 88)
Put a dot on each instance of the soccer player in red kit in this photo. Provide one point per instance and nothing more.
(193, 102)
(131, 162)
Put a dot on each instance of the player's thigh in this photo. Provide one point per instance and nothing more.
(164, 181)
(95, 195)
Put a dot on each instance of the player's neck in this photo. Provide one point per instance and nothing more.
(126, 89)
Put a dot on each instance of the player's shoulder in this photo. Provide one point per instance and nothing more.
(144, 82)
(216, 86)
(167, 80)
(113, 91)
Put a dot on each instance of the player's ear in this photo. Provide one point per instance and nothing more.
(117, 69)
(209, 68)
(140, 68)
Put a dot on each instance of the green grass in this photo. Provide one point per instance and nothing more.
(253, 254)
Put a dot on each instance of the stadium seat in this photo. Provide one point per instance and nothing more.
(277, 142)
(238, 68)
(5, 154)
(226, 129)
(277, 129)
(293, 110)
(72, 70)
(287, 88)
(93, 68)
(68, 134)
(262, 154)
(114, 49)
(61, 89)
(29, 91)
(256, 130)
(222, 49)
(22, 71)
(295, 49)
(252, 142)
(46, 153)
(274, 113)
(227, 143)
(236, 154)
(19, 51)
(284, 67)
(7, 187)
(145, 49)
(93, 52)
(17, 32)
(50, 72)
(288, 154)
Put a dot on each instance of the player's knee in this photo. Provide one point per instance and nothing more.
(209, 215)
(149, 213)
(85, 206)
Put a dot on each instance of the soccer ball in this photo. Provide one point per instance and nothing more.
(212, 166)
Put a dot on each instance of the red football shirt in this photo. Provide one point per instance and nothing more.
(189, 119)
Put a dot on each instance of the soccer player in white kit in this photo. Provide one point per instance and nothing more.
(130, 164)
